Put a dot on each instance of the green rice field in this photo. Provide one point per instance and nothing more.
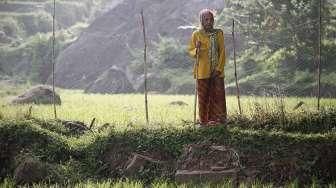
(129, 109)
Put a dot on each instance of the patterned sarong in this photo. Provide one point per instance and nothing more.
(211, 100)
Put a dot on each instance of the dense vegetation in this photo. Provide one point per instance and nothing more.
(282, 42)
(26, 34)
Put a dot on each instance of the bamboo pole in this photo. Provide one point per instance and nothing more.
(319, 58)
(196, 78)
(145, 64)
(235, 64)
(53, 59)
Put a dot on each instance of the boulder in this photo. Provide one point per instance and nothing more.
(178, 103)
(76, 127)
(208, 157)
(207, 163)
(137, 162)
(31, 171)
(41, 94)
(111, 81)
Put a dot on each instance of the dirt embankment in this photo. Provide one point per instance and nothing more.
(200, 154)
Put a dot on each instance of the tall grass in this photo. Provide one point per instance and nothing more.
(127, 110)
(160, 184)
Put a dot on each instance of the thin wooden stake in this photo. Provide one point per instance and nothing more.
(92, 123)
(145, 63)
(235, 64)
(196, 79)
(53, 59)
(319, 59)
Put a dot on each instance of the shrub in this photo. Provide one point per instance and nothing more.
(35, 22)
(11, 27)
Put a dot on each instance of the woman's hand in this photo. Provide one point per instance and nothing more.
(198, 44)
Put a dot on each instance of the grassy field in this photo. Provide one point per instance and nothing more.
(281, 143)
(128, 109)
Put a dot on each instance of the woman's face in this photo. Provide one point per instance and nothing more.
(207, 21)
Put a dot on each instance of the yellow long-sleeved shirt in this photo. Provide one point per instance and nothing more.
(204, 65)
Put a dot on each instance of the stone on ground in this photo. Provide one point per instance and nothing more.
(41, 94)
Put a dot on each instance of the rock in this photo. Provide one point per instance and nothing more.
(111, 81)
(154, 83)
(208, 163)
(37, 95)
(76, 127)
(115, 159)
(178, 103)
(31, 171)
(208, 157)
(185, 176)
(137, 162)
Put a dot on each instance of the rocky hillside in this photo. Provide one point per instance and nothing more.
(108, 40)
